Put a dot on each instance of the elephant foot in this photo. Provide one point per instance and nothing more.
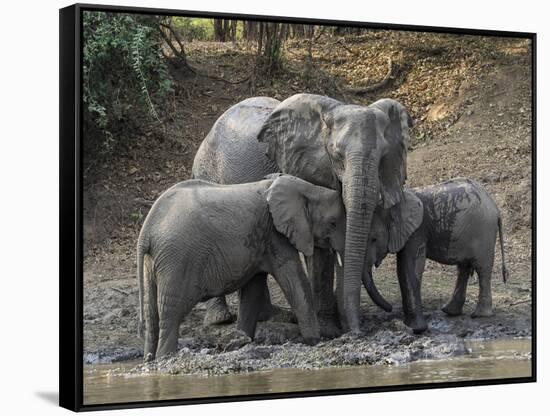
(236, 340)
(417, 323)
(283, 315)
(217, 314)
(277, 314)
(352, 335)
(482, 312)
(246, 326)
(452, 308)
(266, 312)
(329, 327)
(148, 358)
(311, 340)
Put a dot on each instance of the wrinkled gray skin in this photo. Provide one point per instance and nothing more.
(359, 151)
(231, 154)
(453, 223)
(202, 240)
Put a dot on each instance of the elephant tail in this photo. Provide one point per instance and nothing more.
(142, 250)
(505, 274)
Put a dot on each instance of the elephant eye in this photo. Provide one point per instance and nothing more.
(337, 155)
(333, 224)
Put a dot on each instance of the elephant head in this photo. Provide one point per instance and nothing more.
(388, 237)
(390, 230)
(358, 150)
(308, 215)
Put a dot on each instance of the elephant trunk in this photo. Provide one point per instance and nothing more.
(373, 292)
(360, 191)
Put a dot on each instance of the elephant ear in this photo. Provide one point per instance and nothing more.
(294, 138)
(288, 208)
(393, 164)
(405, 218)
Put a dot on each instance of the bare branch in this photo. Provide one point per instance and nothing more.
(390, 75)
(143, 201)
(343, 45)
(316, 38)
(123, 292)
(179, 54)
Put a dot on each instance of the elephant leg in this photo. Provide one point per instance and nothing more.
(455, 305)
(217, 312)
(485, 301)
(269, 311)
(168, 336)
(410, 266)
(263, 298)
(321, 273)
(174, 303)
(289, 274)
(251, 298)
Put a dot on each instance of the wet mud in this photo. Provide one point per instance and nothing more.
(484, 360)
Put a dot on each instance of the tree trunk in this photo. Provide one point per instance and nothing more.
(218, 30)
(309, 57)
(250, 31)
(225, 30)
(233, 31)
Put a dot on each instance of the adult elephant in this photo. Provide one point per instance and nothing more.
(231, 154)
(359, 150)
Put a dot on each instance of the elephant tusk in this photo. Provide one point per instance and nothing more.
(339, 259)
(303, 263)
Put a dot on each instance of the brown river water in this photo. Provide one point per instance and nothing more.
(487, 360)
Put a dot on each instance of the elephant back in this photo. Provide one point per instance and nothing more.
(230, 153)
(460, 212)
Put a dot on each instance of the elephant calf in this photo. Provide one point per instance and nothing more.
(452, 223)
(202, 240)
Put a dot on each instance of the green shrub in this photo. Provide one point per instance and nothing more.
(193, 28)
(124, 72)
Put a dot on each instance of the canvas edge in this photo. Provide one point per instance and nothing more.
(70, 253)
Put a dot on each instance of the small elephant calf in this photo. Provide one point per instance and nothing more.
(202, 240)
(452, 223)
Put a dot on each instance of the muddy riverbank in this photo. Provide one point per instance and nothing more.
(485, 360)
(222, 349)
(387, 345)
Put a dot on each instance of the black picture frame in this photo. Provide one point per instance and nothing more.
(71, 224)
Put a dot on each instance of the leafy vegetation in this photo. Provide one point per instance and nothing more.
(124, 71)
(126, 56)
(192, 28)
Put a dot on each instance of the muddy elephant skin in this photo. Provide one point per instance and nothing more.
(458, 226)
(202, 240)
(359, 151)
